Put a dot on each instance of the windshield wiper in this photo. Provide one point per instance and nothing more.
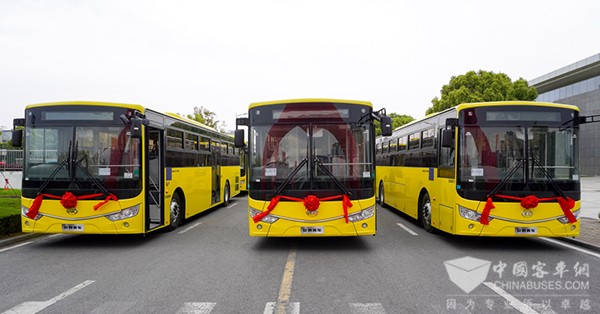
(289, 178)
(535, 162)
(509, 175)
(333, 177)
(64, 163)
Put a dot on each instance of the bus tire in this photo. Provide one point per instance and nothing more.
(226, 194)
(176, 212)
(381, 195)
(425, 212)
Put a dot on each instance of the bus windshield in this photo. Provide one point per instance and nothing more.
(526, 157)
(310, 156)
(103, 154)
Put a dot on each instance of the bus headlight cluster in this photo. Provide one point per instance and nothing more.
(268, 218)
(362, 215)
(564, 220)
(25, 210)
(125, 213)
(470, 214)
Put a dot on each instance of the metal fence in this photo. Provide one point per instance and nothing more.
(11, 160)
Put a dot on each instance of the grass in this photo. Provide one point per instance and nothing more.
(10, 202)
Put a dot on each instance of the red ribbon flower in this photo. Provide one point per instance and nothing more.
(530, 201)
(68, 200)
(311, 203)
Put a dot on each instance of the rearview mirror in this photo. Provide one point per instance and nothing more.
(448, 138)
(386, 126)
(17, 138)
(239, 138)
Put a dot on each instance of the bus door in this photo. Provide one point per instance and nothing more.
(154, 179)
(215, 171)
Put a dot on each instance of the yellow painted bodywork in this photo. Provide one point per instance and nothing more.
(330, 216)
(403, 187)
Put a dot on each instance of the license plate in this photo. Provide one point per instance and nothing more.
(525, 230)
(72, 228)
(312, 230)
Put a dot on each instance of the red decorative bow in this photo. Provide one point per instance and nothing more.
(528, 202)
(68, 200)
(311, 203)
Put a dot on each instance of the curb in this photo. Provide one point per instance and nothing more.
(581, 243)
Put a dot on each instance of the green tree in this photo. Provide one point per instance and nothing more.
(397, 120)
(207, 117)
(479, 87)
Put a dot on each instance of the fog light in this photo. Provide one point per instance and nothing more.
(126, 225)
(365, 226)
(259, 227)
(26, 223)
(471, 226)
(573, 227)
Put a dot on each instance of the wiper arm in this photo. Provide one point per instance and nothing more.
(547, 175)
(509, 175)
(52, 175)
(333, 177)
(91, 176)
(289, 178)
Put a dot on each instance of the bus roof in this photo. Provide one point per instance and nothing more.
(515, 102)
(464, 106)
(310, 100)
(87, 103)
(191, 121)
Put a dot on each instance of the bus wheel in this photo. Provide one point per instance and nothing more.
(176, 212)
(425, 212)
(226, 194)
(381, 195)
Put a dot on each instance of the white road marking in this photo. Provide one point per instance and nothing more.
(588, 252)
(34, 307)
(196, 308)
(366, 308)
(514, 302)
(15, 246)
(232, 205)
(406, 229)
(189, 228)
(292, 308)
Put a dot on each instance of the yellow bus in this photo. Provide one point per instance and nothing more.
(486, 169)
(311, 167)
(110, 168)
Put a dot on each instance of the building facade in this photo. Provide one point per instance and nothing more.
(577, 84)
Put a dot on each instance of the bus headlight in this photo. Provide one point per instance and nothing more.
(125, 213)
(470, 214)
(268, 218)
(362, 215)
(564, 220)
(25, 210)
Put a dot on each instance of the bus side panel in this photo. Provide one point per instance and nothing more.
(443, 192)
(192, 182)
(230, 174)
(416, 181)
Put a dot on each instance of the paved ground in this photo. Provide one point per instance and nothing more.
(590, 209)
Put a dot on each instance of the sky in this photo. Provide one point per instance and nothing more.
(174, 55)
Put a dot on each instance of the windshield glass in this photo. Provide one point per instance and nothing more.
(107, 154)
(529, 156)
(330, 152)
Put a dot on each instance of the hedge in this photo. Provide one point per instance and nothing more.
(10, 224)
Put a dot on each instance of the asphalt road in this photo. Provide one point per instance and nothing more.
(211, 265)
